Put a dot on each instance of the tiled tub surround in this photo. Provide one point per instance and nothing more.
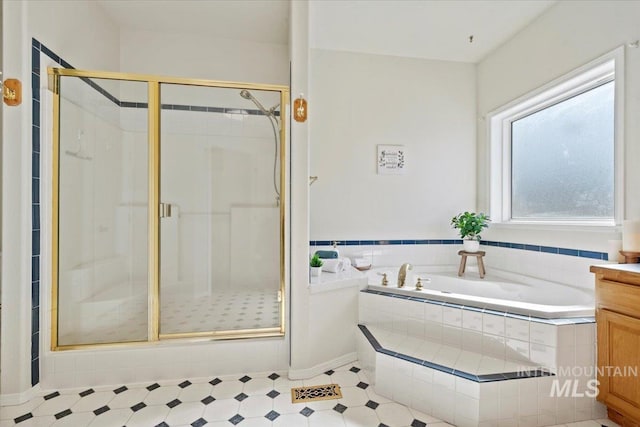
(438, 358)
(521, 246)
(567, 266)
(547, 343)
(498, 290)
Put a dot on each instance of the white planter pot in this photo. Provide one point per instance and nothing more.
(316, 271)
(471, 245)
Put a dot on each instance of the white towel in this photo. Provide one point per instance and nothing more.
(335, 265)
(361, 262)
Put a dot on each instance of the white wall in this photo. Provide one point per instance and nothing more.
(362, 100)
(80, 33)
(1, 9)
(357, 101)
(77, 31)
(299, 307)
(16, 340)
(184, 55)
(568, 35)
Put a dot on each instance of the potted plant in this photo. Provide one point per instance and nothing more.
(470, 225)
(316, 265)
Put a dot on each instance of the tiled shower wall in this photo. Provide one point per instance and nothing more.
(36, 215)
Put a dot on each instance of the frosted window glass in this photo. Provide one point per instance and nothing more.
(563, 159)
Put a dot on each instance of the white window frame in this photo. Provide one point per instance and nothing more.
(609, 67)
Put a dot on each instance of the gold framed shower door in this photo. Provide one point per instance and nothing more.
(154, 83)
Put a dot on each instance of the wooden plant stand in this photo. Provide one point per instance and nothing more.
(463, 262)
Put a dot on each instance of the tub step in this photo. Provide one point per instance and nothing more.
(450, 360)
(463, 398)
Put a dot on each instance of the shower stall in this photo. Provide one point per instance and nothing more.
(168, 208)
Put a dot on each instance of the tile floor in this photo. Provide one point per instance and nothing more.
(259, 400)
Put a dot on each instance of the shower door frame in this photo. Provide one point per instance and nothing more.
(154, 83)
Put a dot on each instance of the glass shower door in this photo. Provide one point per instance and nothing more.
(102, 246)
(220, 213)
(167, 213)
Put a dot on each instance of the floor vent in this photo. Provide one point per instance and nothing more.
(316, 392)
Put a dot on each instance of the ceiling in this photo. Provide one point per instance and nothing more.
(435, 29)
(265, 21)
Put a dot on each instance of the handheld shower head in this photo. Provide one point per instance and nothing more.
(273, 120)
(247, 95)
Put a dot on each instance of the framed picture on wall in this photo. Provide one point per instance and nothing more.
(391, 160)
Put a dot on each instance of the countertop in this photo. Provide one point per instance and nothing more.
(332, 281)
(627, 273)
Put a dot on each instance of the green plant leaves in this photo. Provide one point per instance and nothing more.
(470, 224)
(316, 261)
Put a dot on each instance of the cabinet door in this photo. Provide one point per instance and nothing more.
(619, 362)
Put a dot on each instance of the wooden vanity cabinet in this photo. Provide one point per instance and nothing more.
(618, 325)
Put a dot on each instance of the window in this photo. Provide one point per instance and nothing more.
(556, 154)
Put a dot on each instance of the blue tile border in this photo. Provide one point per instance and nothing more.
(555, 321)
(36, 217)
(486, 378)
(36, 48)
(144, 105)
(520, 246)
(384, 242)
(372, 340)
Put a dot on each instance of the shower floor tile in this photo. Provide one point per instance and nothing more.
(213, 403)
(125, 320)
(229, 310)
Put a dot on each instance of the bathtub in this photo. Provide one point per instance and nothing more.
(499, 290)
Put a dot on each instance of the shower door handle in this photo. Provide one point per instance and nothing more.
(165, 210)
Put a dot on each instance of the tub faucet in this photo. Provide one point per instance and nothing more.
(402, 274)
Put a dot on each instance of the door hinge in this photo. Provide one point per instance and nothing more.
(165, 210)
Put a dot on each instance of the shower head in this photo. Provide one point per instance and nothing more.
(273, 120)
(78, 155)
(247, 95)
